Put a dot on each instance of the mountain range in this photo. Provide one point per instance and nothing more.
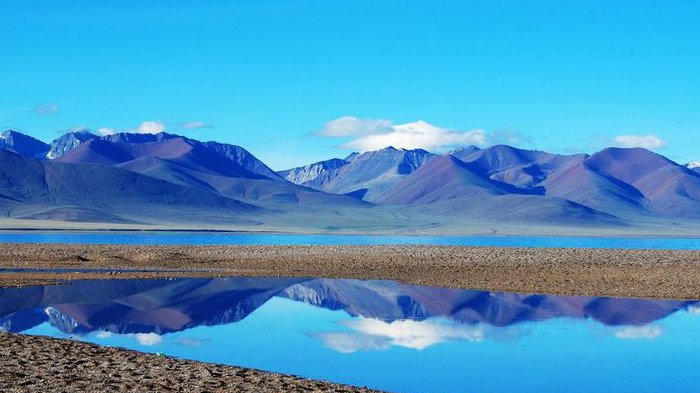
(169, 180)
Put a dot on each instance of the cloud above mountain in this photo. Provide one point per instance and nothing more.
(146, 127)
(46, 109)
(350, 126)
(106, 131)
(155, 127)
(80, 128)
(645, 141)
(373, 134)
(194, 125)
(150, 127)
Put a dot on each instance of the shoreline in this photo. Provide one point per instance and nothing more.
(643, 228)
(165, 231)
(660, 274)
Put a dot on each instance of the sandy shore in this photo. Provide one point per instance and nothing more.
(40, 364)
(591, 272)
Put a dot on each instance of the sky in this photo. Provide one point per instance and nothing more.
(301, 81)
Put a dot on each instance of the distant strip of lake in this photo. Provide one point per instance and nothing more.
(228, 238)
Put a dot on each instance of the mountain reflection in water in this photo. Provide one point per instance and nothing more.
(347, 330)
(171, 305)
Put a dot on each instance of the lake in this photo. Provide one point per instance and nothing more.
(381, 334)
(220, 238)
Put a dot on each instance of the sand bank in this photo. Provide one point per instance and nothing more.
(668, 274)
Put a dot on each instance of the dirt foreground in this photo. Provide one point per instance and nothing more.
(40, 364)
(665, 274)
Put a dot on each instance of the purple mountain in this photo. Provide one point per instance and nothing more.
(23, 144)
(628, 183)
(141, 145)
(525, 169)
(32, 189)
(365, 175)
(68, 142)
(314, 175)
(569, 177)
(227, 170)
(668, 188)
(171, 179)
(449, 186)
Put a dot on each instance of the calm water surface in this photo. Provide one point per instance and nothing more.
(381, 334)
(210, 238)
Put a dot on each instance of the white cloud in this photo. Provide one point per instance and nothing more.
(146, 127)
(419, 135)
(81, 128)
(374, 334)
(149, 127)
(352, 126)
(46, 109)
(377, 134)
(106, 131)
(193, 125)
(644, 141)
(648, 332)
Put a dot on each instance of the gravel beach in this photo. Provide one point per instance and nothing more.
(41, 364)
(669, 274)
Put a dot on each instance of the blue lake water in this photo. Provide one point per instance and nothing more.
(214, 238)
(381, 334)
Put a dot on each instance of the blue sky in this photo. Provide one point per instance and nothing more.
(300, 81)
